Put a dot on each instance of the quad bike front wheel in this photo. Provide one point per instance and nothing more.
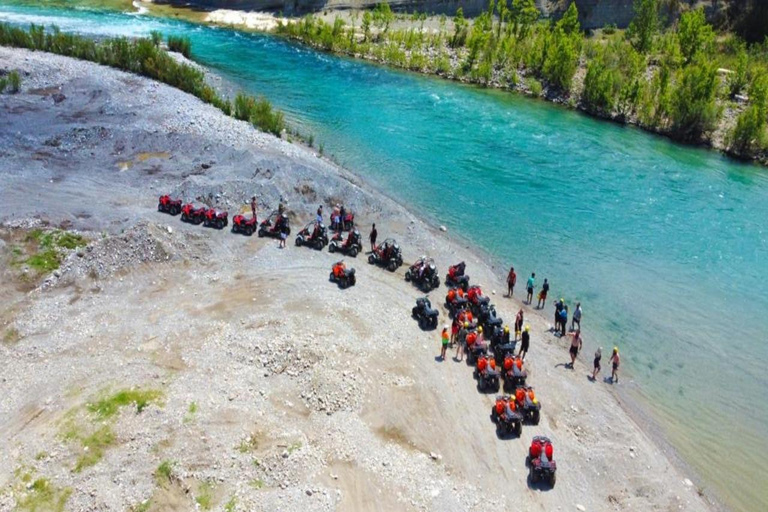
(184, 217)
(261, 233)
(332, 248)
(371, 259)
(392, 266)
(408, 275)
(298, 241)
(534, 476)
(353, 252)
(552, 479)
(535, 417)
(518, 429)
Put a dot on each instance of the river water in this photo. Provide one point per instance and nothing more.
(666, 246)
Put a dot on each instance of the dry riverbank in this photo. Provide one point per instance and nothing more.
(267, 387)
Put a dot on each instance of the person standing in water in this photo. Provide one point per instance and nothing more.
(511, 280)
(543, 294)
(373, 236)
(576, 317)
(598, 358)
(530, 286)
(615, 362)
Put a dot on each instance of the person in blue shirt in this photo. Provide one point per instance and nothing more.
(530, 286)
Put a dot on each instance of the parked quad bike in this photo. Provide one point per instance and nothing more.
(244, 225)
(387, 254)
(343, 276)
(486, 317)
(528, 404)
(273, 225)
(514, 373)
(424, 274)
(214, 218)
(455, 301)
(486, 374)
(192, 215)
(477, 299)
(425, 314)
(168, 205)
(351, 246)
(541, 463)
(313, 235)
(456, 276)
(506, 417)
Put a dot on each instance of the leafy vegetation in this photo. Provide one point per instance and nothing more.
(142, 56)
(12, 82)
(110, 405)
(42, 496)
(749, 134)
(204, 496)
(164, 473)
(94, 446)
(180, 45)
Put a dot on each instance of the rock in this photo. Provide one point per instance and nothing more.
(309, 492)
(688, 482)
(581, 507)
(170, 229)
(443, 229)
(435, 456)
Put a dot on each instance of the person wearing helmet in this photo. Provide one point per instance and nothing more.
(444, 338)
(615, 362)
(525, 342)
(505, 336)
(462, 341)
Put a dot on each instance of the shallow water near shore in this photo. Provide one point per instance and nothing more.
(666, 246)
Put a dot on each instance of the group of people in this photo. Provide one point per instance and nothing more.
(561, 322)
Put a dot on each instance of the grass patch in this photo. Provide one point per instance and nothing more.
(534, 86)
(41, 455)
(164, 473)
(256, 483)
(43, 249)
(42, 496)
(180, 45)
(12, 82)
(45, 261)
(230, 505)
(294, 447)
(204, 496)
(94, 447)
(144, 506)
(11, 335)
(109, 406)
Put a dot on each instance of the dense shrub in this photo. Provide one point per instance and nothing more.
(180, 45)
(749, 133)
(694, 110)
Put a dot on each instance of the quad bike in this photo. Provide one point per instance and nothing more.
(486, 374)
(193, 215)
(464, 316)
(476, 299)
(273, 225)
(351, 246)
(455, 301)
(314, 235)
(528, 405)
(387, 254)
(168, 205)
(542, 466)
(504, 414)
(244, 225)
(215, 218)
(487, 317)
(475, 347)
(343, 276)
(513, 372)
(424, 274)
(502, 351)
(425, 313)
(456, 276)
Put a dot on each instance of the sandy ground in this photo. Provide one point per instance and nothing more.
(306, 397)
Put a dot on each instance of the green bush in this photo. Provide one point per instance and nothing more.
(694, 110)
(259, 113)
(644, 25)
(749, 133)
(180, 45)
(695, 34)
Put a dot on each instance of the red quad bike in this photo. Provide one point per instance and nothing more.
(528, 405)
(424, 274)
(455, 301)
(351, 246)
(387, 254)
(457, 277)
(514, 373)
(168, 205)
(273, 225)
(244, 225)
(486, 374)
(345, 277)
(506, 417)
(542, 466)
(475, 348)
(314, 235)
(214, 218)
(477, 299)
(192, 215)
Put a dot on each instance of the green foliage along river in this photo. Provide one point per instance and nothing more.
(666, 246)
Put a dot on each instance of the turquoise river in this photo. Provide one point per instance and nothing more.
(665, 245)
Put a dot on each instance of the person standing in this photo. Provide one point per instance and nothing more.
(615, 362)
(445, 340)
(530, 286)
(598, 358)
(518, 323)
(558, 308)
(253, 206)
(525, 343)
(563, 319)
(575, 346)
(454, 330)
(543, 294)
(283, 234)
(320, 214)
(511, 280)
(576, 317)
(462, 340)
(373, 236)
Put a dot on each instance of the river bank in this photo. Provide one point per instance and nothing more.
(348, 412)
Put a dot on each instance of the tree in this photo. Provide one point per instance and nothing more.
(367, 18)
(694, 111)
(695, 34)
(523, 14)
(563, 50)
(383, 16)
(598, 94)
(644, 25)
(569, 23)
(738, 79)
(460, 29)
(749, 132)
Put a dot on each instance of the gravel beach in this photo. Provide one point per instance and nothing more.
(272, 388)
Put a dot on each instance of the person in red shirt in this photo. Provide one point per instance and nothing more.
(511, 280)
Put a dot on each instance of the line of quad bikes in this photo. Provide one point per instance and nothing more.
(488, 345)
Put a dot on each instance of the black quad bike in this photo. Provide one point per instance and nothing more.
(456, 276)
(507, 420)
(313, 235)
(486, 317)
(274, 224)
(387, 254)
(351, 246)
(424, 274)
(487, 376)
(168, 205)
(425, 314)
(244, 225)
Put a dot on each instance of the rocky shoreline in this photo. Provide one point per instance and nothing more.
(279, 391)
